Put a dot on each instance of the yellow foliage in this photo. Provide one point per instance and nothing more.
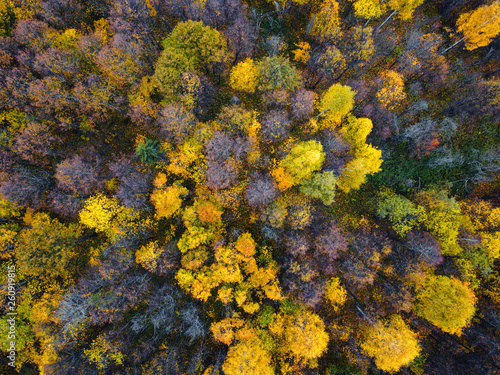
(102, 353)
(491, 244)
(367, 8)
(326, 20)
(248, 357)
(302, 334)
(225, 294)
(335, 293)
(168, 201)
(480, 26)
(392, 344)
(446, 302)
(367, 160)
(392, 90)
(224, 331)
(147, 255)
(244, 76)
(245, 245)
(103, 214)
(302, 53)
(160, 180)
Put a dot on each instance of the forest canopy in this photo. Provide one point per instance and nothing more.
(250, 187)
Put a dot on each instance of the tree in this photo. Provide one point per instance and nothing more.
(260, 191)
(391, 89)
(275, 126)
(26, 188)
(248, 357)
(148, 151)
(426, 246)
(244, 76)
(367, 160)
(446, 302)
(300, 163)
(400, 211)
(103, 214)
(303, 104)
(335, 294)
(367, 8)
(190, 46)
(392, 344)
(46, 245)
(176, 122)
(320, 185)
(36, 143)
(326, 20)
(404, 8)
(123, 60)
(337, 102)
(78, 175)
(480, 26)
(277, 73)
(168, 201)
(7, 19)
(302, 334)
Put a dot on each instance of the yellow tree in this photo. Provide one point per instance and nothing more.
(302, 334)
(248, 357)
(479, 26)
(326, 20)
(392, 89)
(392, 344)
(168, 201)
(337, 102)
(366, 159)
(446, 302)
(103, 214)
(367, 8)
(299, 164)
(244, 76)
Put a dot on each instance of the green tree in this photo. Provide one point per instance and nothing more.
(400, 211)
(321, 186)
(190, 46)
(148, 151)
(446, 302)
(277, 73)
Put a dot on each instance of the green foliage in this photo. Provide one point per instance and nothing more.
(265, 315)
(321, 186)
(446, 302)
(400, 211)
(148, 151)
(190, 46)
(277, 73)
